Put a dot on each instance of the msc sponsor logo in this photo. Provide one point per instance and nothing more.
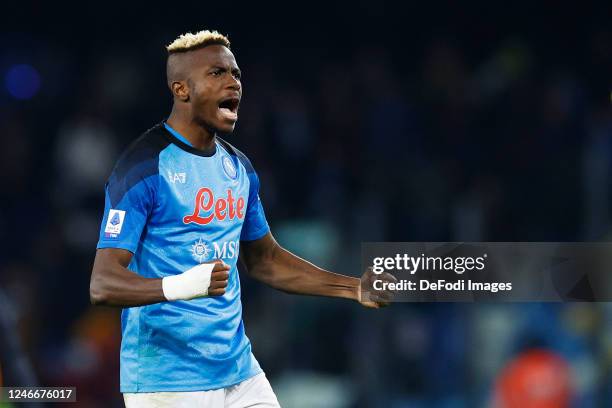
(200, 250)
(226, 249)
(208, 207)
(203, 251)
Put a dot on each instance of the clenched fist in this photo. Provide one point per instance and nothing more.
(375, 298)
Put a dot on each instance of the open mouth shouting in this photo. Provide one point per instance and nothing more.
(228, 107)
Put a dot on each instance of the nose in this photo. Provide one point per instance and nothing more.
(234, 83)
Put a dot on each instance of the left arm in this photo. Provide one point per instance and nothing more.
(273, 265)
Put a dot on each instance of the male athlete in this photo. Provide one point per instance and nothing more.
(181, 205)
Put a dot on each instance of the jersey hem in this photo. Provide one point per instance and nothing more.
(117, 245)
(257, 235)
(159, 387)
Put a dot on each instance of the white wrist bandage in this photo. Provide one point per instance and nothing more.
(190, 284)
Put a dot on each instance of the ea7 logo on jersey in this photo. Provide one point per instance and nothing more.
(177, 177)
(209, 207)
(114, 223)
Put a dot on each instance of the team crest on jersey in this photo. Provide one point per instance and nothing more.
(200, 250)
(229, 168)
(114, 223)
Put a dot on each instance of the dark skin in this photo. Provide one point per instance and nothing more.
(200, 80)
(206, 87)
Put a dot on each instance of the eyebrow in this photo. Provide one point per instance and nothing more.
(235, 68)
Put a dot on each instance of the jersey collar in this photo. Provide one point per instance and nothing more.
(182, 142)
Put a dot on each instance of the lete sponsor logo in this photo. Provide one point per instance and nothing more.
(208, 207)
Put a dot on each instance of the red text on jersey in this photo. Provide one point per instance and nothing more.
(208, 207)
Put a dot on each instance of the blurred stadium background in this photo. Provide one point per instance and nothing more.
(367, 121)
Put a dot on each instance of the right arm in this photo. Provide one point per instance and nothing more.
(112, 284)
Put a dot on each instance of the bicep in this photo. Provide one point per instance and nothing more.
(257, 251)
(114, 255)
(108, 258)
(109, 265)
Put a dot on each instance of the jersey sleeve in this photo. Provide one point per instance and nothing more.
(255, 224)
(129, 198)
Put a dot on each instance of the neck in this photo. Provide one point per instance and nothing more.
(200, 137)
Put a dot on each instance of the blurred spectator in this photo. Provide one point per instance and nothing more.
(535, 379)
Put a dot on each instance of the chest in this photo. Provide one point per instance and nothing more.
(199, 191)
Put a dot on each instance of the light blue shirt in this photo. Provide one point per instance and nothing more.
(173, 207)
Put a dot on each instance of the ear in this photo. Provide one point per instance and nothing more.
(180, 90)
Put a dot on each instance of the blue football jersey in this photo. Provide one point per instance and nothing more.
(173, 207)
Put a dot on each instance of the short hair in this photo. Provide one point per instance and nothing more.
(189, 41)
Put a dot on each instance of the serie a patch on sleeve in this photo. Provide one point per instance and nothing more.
(114, 223)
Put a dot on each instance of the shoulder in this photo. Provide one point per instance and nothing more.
(138, 162)
(233, 151)
(141, 157)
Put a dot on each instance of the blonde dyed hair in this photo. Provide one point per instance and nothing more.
(191, 41)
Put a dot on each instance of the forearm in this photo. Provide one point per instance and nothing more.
(118, 286)
(287, 272)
